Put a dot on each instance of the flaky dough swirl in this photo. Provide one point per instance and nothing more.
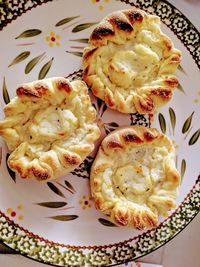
(50, 127)
(130, 63)
(134, 178)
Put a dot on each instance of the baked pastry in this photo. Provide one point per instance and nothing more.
(50, 127)
(130, 63)
(134, 178)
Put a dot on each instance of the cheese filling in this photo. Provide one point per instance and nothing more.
(134, 64)
(52, 123)
(137, 176)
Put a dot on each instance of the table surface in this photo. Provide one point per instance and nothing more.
(183, 250)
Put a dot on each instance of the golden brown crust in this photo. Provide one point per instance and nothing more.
(122, 217)
(38, 91)
(147, 156)
(117, 22)
(64, 85)
(132, 135)
(50, 127)
(110, 66)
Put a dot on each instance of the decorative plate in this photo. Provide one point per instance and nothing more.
(56, 222)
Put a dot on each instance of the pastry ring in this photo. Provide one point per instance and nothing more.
(130, 63)
(49, 127)
(134, 178)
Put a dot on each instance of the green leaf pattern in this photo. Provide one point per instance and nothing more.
(187, 123)
(11, 172)
(181, 69)
(183, 168)
(55, 189)
(194, 138)
(31, 64)
(83, 40)
(83, 26)
(22, 56)
(66, 20)
(6, 97)
(29, 33)
(64, 218)
(180, 88)
(172, 118)
(106, 222)
(69, 185)
(162, 122)
(75, 53)
(45, 69)
(52, 205)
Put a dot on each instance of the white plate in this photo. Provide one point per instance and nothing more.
(70, 231)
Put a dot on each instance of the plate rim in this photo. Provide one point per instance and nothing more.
(196, 188)
(147, 6)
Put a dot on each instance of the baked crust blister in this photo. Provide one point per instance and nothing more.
(133, 178)
(130, 63)
(49, 127)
